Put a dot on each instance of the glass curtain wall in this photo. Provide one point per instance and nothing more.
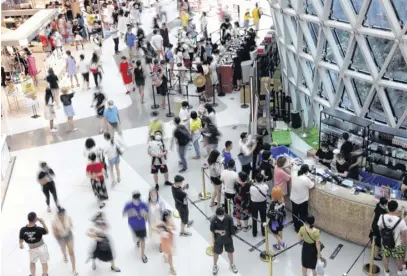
(347, 54)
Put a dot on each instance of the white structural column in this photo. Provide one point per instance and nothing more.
(346, 54)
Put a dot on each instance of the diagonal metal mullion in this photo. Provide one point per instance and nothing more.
(391, 16)
(401, 119)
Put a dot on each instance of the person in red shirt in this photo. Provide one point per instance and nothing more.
(96, 171)
(125, 70)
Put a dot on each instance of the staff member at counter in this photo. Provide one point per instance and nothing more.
(324, 155)
(342, 166)
(300, 195)
(347, 146)
(355, 162)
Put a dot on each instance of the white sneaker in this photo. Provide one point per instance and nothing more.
(403, 272)
(74, 129)
(386, 273)
(53, 130)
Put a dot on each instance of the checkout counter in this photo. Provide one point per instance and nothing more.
(344, 209)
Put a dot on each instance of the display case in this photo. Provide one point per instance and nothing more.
(387, 151)
(333, 123)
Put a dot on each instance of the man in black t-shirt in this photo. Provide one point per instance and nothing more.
(324, 155)
(32, 235)
(223, 229)
(346, 147)
(181, 203)
(45, 177)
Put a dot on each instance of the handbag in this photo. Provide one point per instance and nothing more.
(321, 244)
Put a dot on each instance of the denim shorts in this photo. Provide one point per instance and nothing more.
(114, 161)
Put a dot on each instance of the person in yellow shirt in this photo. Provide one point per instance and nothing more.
(246, 19)
(154, 125)
(256, 14)
(184, 19)
(195, 128)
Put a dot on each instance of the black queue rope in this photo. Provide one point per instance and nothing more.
(357, 258)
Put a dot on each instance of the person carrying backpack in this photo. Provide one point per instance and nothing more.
(183, 137)
(393, 230)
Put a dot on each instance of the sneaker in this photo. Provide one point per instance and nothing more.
(94, 265)
(183, 170)
(74, 129)
(167, 183)
(234, 268)
(185, 234)
(215, 270)
(157, 187)
(284, 244)
(53, 130)
(196, 157)
(403, 272)
(276, 247)
(115, 269)
(119, 179)
(190, 223)
(101, 205)
(387, 273)
(144, 259)
(247, 228)
(49, 209)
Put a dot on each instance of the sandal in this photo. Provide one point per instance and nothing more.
(144, 259)
(75, 273)
(173, 271)
(213, 204)
(65, 259)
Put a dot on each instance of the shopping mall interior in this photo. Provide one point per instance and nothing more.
(315, 70)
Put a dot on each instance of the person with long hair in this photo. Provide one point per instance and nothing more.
(52, 80)
(78, 33)
(242, 202)
(258, 202)
(215, 171)
(140, 79)
(126, 72)
(167, 228)
(311, 246)
(276, 217)
(96, 68)
(282, 174)
(46, 179)
(32, 66)
(96, 172)
(83, 68)
(299, 196)
(99, 100)
(66, 99)
(62, 229)
(113, 151)
(211, 113)
(103, 248)
(156, 208)
(211, 134)
(49, 110)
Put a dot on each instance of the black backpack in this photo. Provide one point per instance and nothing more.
(387, 234)
(185, 136)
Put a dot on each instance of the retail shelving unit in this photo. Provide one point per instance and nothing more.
(333, 123)
(387, 151)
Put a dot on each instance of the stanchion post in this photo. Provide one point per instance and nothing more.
(155, 105)
(204, 195)
(168, 78)
(244, 105)
(169, 114)
(371, 268)
(214, 104)
(220, 92)
(229, 210)
(265, 256)
(209, 249)
(189, 105)
(179, 82)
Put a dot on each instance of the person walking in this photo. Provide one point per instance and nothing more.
(77, 31)
(167, 229)
(115, 35)
(140, 79)
(215, 170)
(99, 100)
(204, 25)
(130, 40)
(158, 153)
(126, 72)
(299, 196)
(156, 210)
(96, 172)
(32, 66)
(62, 229)
(393, 231)
(96, 68)
(242, 202)
(49, 110)
(45, 178)
(184, 114)
(157, 42)
(179, 193)
(164, 32)
(137, 214)
(223, 229)
(256, 15)
(52, 80)
(112, 151)
(195, 128)
(311, 246)
(84, 68)
(66, 99)
(103, 248)
(211, 134)
(32, 235)
(182, 137)
(71, 68)
(111, 114)
(258, 204)
(276, 217)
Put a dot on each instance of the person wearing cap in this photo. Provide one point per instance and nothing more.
(180, 196)
(32, 234)
(137, 214)
(45, 177)
(223, 229)
(111, 115)
(62, 229)
(247, 146)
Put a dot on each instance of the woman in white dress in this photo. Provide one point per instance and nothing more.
(122, 23)
(49, 110)
(156, 209)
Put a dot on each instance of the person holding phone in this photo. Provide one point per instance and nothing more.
(32, 234)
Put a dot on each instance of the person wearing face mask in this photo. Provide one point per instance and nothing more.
(156, 209)
(342, 167)
(324, 155)
(156, 149)
(137, 213)
(103, 249)
(300, 195)
(223, 229)
(111, 114)
(215, 171)
(179, 193)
